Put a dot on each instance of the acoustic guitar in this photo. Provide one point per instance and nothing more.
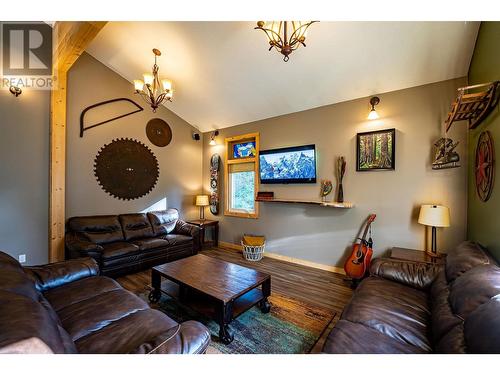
(359, 261)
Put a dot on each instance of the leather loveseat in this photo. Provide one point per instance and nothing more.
(406, 307)
(129, 243)
(67, 308)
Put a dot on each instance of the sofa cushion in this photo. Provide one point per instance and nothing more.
(482, 328)
(349, 338)
(177, 239)
(396, 310)
(92, 314)
(79, 291)
(12, 280)
(97, 229)
(150, 243)
(127, 333)
(163, 222)
(135, 226)
(464, 257)
(118, 249)
(24, 318)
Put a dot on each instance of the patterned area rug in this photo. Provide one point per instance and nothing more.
(290, 327)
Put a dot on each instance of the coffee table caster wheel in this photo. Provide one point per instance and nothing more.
(264, 306)
(225, 335)
(154, 296)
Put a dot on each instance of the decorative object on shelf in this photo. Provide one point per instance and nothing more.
(214, 184)
(93, 106)
(445, 155)
(253, 247)
(473, 107)
(485, 166)
(126, 169)
(341, 166)
(158, 132)
(151, 89)
(285, 36)
(325, 189)
(264, 195)
(213, 134)
(373, 115)
(244, 150)
(202, 202)
(376, 150)
(434, 216)
(358, 262)
(15, 90)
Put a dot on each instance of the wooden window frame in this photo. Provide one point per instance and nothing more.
(229, 160)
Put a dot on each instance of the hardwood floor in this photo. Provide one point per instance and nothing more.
(316, 287)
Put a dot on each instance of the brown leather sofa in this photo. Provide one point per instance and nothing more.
(406, 307)
(129, 243)
(67, 308)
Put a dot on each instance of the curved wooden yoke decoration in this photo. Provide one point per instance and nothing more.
(473, 107)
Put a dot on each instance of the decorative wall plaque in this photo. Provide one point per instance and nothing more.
(158, 132)
(485, 166)
(126, 169)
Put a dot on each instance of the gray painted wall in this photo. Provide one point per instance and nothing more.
(24, 174)
(323, 235)
(90, 82)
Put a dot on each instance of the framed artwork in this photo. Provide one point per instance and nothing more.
(375, 151)
(244, 150)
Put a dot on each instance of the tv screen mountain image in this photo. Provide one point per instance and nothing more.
(290, 165)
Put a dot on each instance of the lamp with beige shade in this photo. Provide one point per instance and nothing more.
(434, 216)
(202, 202)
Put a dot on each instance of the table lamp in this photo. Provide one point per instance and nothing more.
(434, 216)
(202, 202)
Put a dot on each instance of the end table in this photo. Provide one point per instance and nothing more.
(202, 224)
(416, 256)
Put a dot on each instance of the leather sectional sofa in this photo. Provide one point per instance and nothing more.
(406, 307)
(67, 308)
(122, 244)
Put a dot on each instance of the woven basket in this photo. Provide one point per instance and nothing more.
(253, 248)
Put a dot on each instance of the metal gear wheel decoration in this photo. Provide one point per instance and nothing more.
(485, 166)
(126, 169)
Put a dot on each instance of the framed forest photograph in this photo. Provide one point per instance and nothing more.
(376, 150)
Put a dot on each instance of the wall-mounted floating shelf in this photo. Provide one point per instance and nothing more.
(308, 201)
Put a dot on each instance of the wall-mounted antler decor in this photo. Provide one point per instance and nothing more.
(473, 107)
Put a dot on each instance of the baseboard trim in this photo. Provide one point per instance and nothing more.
(288, 259)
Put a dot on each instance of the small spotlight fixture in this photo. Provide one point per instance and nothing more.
(212, 138)
(15, 90)
(373, 115)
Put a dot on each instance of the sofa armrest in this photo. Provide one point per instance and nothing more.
(414, 274)
(181, 227)
(187, 338)
(78, 248)
(53, 275)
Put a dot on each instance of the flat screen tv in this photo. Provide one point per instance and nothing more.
(291, 165)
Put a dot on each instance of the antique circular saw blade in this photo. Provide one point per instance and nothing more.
(158, 132)
(126, 169)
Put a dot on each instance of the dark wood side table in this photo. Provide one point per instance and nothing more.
(413, 255)
(202, 224)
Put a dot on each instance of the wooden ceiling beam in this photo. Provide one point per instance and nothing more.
(70, 40)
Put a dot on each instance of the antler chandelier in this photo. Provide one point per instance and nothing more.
(153, 90)
(285, 36)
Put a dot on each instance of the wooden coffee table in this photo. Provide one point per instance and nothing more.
(215, 288)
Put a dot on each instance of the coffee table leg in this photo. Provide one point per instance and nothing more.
(225, 314)
(155, 294)
(264, 305)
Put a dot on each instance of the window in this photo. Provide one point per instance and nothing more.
(241, 179)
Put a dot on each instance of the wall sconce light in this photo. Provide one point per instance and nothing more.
(212, 138)
(16, 91)
(373, 115)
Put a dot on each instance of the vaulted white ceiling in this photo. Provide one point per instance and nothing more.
(223, 74)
